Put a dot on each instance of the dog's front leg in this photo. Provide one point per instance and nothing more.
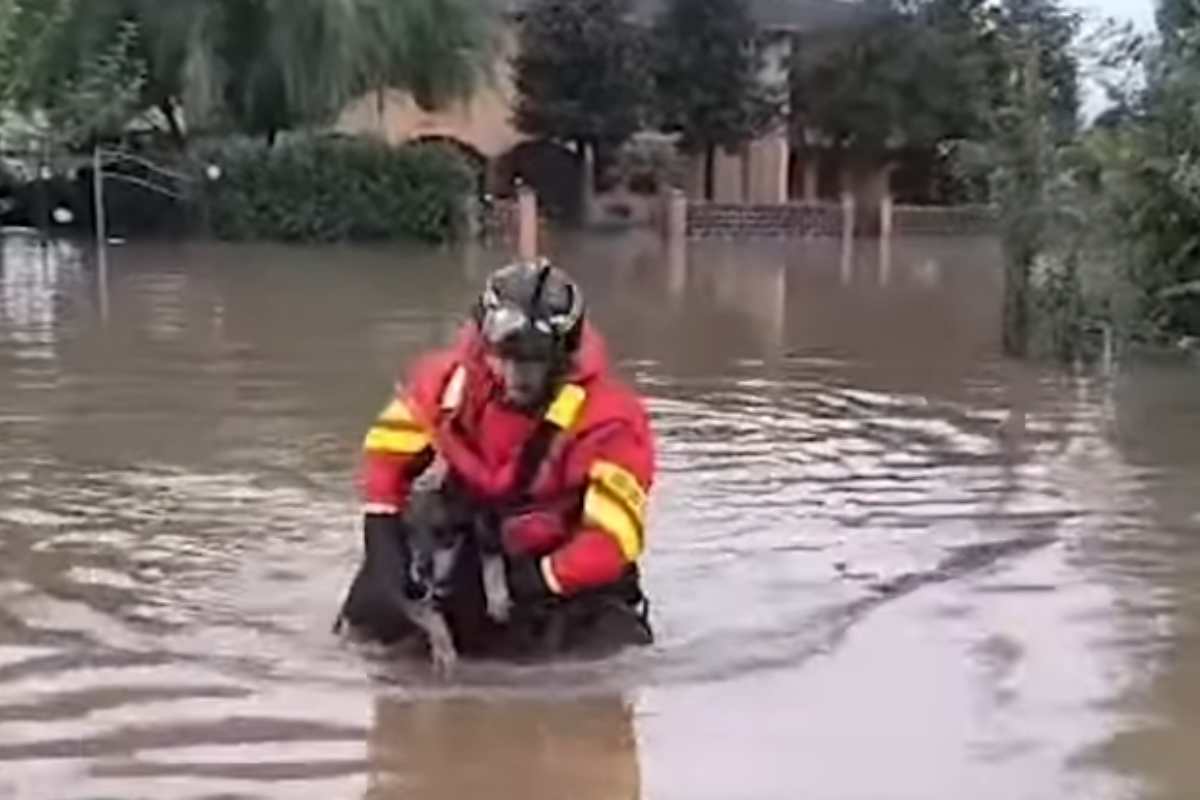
(441, 647)
(495, 588)
(442, 651)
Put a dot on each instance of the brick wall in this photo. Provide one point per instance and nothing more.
(738, 221)
(943, 220)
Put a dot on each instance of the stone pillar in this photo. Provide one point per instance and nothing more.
(886, 209)
(768, 170)
(676, 216)
(727, 178)
(527, 223)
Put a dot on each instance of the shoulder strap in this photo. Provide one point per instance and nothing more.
(560, 416)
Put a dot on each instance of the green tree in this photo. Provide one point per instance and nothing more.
(708, 76)
(902, 77)
(26, 30)
(67, 89)
(581, 72)
(1026, 145)
(267, 66)
(1031, 143)
(1040, 35)
(1147, 168)
(921, 75)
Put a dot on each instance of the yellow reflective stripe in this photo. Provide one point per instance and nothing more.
(405, 441)
(621, 483)
(396, 431)
(605, 511)
(616, 502)
(397, 411)
(564, 411)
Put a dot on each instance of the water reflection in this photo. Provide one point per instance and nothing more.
(1154, 557)
(504, 747)
(33, 277)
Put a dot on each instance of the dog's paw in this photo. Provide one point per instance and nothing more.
(495, 589)
(441, 647)
(499, 610)
(445, 660)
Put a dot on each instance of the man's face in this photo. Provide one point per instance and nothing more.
(526, 382)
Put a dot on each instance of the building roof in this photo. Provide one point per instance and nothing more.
(771, 15)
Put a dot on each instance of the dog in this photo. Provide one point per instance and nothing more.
(437, 533)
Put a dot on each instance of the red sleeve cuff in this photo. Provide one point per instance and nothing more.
(591, 559)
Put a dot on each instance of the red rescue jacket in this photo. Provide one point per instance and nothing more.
(584, 509)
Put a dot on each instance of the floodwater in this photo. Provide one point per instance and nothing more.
(885, 563)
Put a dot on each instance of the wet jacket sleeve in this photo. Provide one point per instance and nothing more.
(399, 444)
(394, 452)
(617, 467)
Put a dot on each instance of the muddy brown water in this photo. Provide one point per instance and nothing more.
(884, 561)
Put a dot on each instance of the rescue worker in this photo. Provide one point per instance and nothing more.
(545, 457)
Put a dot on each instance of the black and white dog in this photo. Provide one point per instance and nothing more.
(409, 578)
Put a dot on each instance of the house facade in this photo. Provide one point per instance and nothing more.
(764, 171)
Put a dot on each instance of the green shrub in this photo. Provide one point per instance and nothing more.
(646, 165)
(336, 189)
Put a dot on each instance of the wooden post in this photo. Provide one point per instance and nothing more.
(101, 225)
(527, 224)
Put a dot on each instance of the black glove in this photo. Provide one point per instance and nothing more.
(387, 555)
(375, 601)
(526, 582)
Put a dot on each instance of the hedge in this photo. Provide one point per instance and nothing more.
(336, 189)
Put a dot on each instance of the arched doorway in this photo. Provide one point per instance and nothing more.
(554, 172)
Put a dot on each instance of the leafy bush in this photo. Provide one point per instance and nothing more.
(336, 189)
(646, 165)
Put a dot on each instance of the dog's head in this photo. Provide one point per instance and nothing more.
(436, 533)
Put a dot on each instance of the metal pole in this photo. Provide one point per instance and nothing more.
(100, 225)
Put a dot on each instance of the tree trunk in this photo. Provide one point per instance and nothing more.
(169, 110)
